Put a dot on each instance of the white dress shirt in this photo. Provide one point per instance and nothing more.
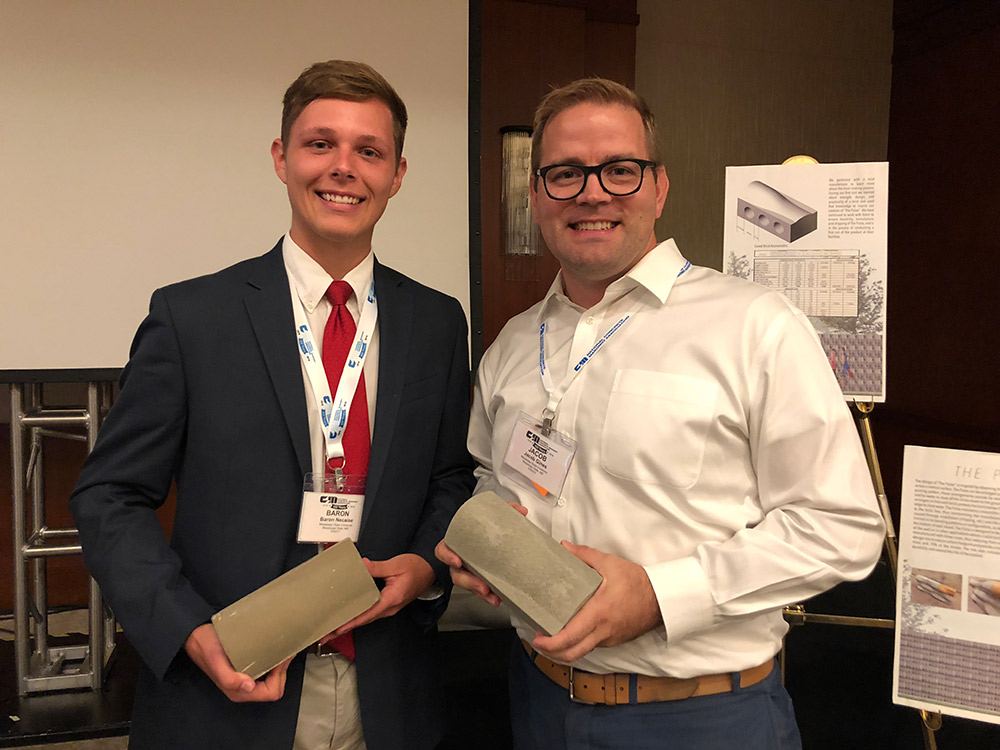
(308, 282)
(715, 450)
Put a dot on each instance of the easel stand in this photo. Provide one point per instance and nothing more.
(41, 667)
(797, 615)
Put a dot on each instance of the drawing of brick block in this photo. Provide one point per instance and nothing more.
(775, 212)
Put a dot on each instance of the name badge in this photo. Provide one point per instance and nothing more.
(540, 456)
(331, 509)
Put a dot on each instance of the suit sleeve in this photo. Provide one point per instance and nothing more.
(124, 480)
(451, 479)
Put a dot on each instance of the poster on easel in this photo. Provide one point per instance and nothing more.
(947, 656)
(818, 234)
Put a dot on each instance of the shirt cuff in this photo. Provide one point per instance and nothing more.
(683, 595)
(432, 592)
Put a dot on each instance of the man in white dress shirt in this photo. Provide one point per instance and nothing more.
(716, 473)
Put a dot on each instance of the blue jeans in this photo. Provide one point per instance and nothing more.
(759, 717)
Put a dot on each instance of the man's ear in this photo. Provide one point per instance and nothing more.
(278, 155)
(397, 181)
(662, 186)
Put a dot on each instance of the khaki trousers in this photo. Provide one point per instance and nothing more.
(329, 713)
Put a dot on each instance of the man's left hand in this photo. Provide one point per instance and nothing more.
(406, 576)
(623, 607)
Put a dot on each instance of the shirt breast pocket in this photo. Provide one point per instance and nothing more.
(656, 427)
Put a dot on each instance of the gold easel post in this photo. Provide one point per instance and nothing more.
(931, 719)
(891, 543)
(797, 615)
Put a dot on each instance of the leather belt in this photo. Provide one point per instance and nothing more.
(619, 689)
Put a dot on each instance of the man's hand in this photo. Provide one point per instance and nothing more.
(205, 650)
(462, 577)
(406, 576)
(623, 607)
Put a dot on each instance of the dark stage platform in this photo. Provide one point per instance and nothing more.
(71, 714)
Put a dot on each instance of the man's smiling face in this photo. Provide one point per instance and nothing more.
(339, 166)
(597, 237)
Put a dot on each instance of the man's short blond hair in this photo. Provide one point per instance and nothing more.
(342, 79)
(592, 91)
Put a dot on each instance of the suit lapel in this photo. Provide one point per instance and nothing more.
(268, 304)
(395, 321)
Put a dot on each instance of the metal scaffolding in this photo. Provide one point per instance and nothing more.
(41, 666)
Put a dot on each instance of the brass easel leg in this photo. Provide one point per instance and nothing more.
(868, 443)
(931, 722)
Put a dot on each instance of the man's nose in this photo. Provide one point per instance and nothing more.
(341, 163)
(592, 191)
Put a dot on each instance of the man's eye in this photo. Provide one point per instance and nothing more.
(565, 174)
(319, 145)
(369, 153)
(621, 170)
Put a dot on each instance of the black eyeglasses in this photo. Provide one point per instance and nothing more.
(620, 177)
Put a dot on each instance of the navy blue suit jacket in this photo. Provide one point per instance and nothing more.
(213, 398)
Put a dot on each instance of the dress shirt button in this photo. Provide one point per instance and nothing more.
(561, 503)
(590, 320)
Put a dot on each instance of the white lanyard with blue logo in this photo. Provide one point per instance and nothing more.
(536, 451)
(332, 506)
(556, 393)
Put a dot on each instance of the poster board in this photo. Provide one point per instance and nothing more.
(947, 656)
(818, 233)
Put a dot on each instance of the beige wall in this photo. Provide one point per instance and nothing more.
(136, 152)
(734, 83)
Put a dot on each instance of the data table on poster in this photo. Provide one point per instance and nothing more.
(826, 286)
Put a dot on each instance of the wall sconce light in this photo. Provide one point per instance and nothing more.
(521, 235)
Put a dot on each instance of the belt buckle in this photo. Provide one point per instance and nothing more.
(572, 690)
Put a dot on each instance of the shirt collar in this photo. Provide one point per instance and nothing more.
(311, 280)
(656, 272)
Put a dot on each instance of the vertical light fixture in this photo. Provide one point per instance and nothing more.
(521, 236)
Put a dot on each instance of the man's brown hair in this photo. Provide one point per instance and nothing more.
(592, 91)
(342, 79)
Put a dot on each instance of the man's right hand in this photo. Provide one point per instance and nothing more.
(460, 576)
(205, 650)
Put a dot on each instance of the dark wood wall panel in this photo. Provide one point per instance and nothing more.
(520, 62)
(944, 190)
(610, 51)
(529, 48)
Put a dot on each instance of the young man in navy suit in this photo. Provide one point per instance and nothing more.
(220, 396)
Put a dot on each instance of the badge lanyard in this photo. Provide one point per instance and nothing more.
(334, 411)
(538, 453)
(556, 393)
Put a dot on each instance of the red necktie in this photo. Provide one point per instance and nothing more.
(338, 338)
